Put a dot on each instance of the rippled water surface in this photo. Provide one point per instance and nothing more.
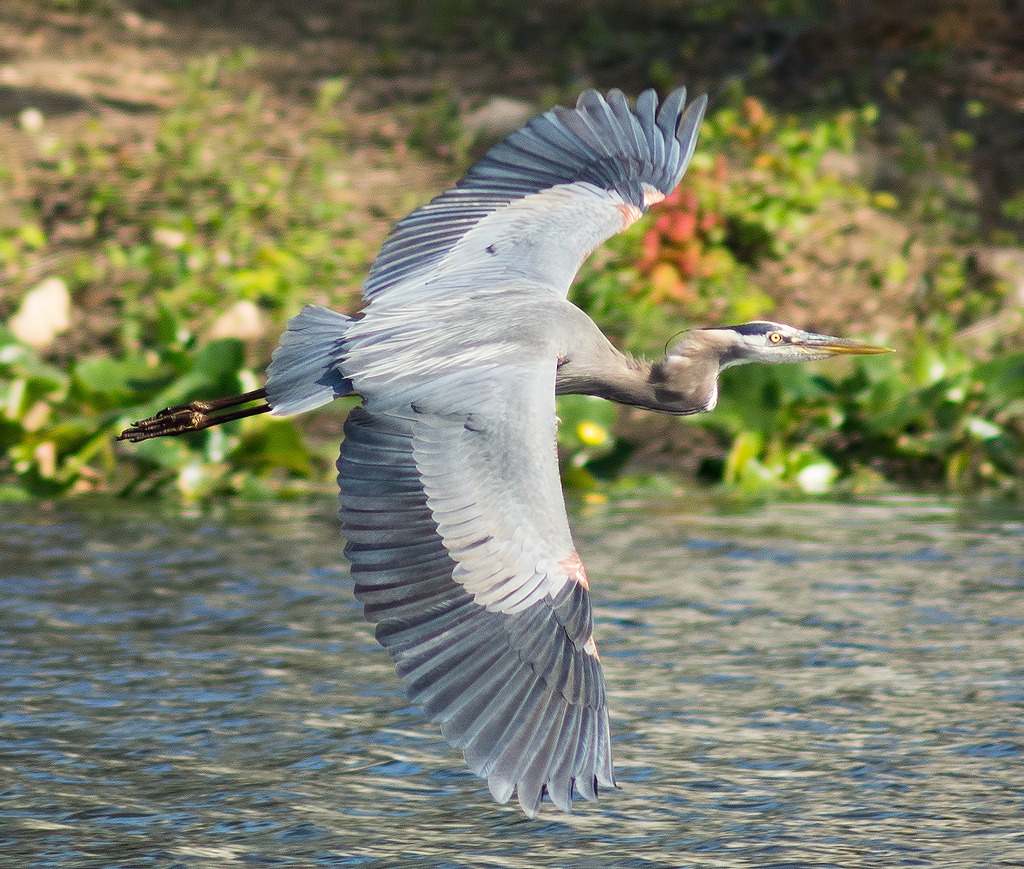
(797, 685)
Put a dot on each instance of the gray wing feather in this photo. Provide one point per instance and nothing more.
(594, 122)
(433, 526)
(668, 114)
(629, 128)
(686, 132)
(601, 143)
(646, 107)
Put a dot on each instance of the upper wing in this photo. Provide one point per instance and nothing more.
(461, 552)
(538, 203)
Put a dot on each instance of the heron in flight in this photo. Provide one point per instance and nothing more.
(451, 501)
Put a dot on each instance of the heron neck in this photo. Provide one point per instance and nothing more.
(676, 386)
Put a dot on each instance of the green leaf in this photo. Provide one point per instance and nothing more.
(746, 447)
(276, 444)
(112, 378)
(220, 359)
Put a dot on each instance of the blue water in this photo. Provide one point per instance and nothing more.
(807, 685)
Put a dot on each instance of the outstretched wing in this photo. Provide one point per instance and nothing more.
(450, 494)
(538, 203)
(461, 553)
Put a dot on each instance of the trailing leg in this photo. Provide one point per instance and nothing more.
(195, 416)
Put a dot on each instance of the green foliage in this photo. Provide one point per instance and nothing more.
(1013, 208)
(945, 410)
(435, 128)
(227, 202)
(223, 204)
(57, 427)
(928, 417)
(586, 438)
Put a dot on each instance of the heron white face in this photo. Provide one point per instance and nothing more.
(765, 341)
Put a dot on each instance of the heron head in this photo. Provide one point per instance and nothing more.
(764, 341)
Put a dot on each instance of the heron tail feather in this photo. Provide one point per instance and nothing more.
(306, 369)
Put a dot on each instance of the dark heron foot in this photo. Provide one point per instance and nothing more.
(196, 416)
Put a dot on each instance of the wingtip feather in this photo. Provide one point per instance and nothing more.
(669, 113)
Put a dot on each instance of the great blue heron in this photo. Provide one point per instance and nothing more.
(450, 494)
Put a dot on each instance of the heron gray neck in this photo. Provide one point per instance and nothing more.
(683, 382)
(675, 384)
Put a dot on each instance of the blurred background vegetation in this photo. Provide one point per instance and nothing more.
(177, 178)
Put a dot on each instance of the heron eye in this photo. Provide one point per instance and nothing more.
(775, 337)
